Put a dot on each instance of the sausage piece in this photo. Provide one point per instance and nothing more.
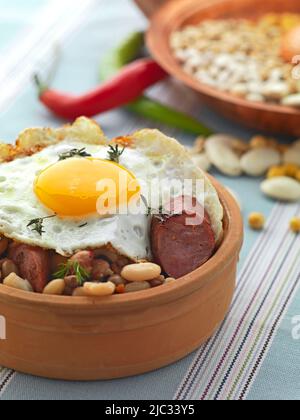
(33, 264)
(180, 247)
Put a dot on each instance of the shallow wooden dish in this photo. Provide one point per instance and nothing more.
(150, 6)
(91, 339)
(178, 13)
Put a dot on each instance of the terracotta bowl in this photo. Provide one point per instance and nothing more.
(92, 339)
(179, 13)
(150, 6)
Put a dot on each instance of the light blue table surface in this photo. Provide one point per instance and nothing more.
(15, 16)
(105, 26)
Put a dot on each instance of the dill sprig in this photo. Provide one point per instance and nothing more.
(38, 224)
(72, 268)
(74, 153)
(115, 153)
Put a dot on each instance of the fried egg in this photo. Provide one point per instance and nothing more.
(64, 193)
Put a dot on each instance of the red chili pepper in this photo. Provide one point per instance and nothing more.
(122, 89)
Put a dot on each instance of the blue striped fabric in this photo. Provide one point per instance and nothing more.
(254, 355)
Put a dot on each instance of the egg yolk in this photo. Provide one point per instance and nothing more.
(71, 187)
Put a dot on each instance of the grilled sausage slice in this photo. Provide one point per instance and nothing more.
(33, 264)
(180, 247)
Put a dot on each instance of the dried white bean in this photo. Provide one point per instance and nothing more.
(255, 88)
(258, 161)
(99, 289)
(141, 272)
(220, 152)
(255, 97)
(79, 292)
(9, 267)
(292, 155)
(239, 89)
(55, 287)
(291, 100)
(181, 55)
(229, 59)
(170, 280)
(223, 60)
(275, 90)
(282, 188)
(17, 282)
(202, 161)
(276, 75)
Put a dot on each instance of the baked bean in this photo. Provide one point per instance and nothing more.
(157, 282)
(117, 280)
(8, 267)
(17, 282)
(101, 270)
(141, 272)
(99, 289)
(3, 244)
(79, 292)
(137, 286)
(71, 283)
(170, 280)
(55, 287)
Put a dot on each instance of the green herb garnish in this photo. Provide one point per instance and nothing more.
(74, 153)
(72, 268)
(83, 225)
(115, 153)
(38, 224)
(161, 213)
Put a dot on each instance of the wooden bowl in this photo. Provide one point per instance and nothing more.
(92, 339)
(177, 14)
(150, 6)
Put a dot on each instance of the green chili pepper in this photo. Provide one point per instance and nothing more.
(117, 58)
(126, 52)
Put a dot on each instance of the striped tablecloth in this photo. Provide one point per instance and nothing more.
(256, 352)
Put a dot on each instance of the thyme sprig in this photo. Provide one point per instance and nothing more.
(74, 153)
(83, 225)
(72, 268)
(38, 224)
(161, 213)
(115, 152)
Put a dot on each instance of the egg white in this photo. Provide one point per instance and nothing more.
(128, 234)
